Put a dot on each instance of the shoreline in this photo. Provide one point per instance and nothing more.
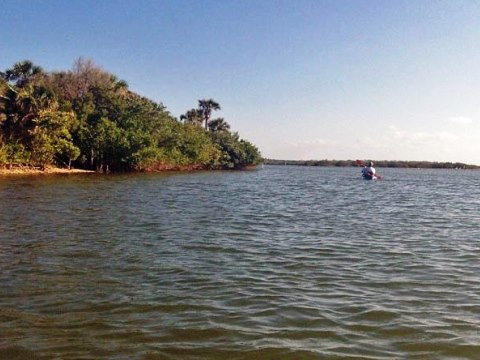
(46, 171)
(50, 170)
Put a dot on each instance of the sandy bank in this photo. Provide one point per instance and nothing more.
(34, 171)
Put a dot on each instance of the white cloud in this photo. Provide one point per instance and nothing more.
(419, 138)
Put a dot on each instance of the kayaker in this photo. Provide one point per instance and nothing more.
(364, 170)
(369, 172)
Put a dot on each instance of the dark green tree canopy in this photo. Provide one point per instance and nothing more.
(217, 125)
(88, 118)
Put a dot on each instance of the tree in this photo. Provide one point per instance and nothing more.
(218, 125)
(51, 138)
(90, 117)
(206, 107)
(237, 153)
(22, 73)
(193, 116)
(21, 106)
(197, 146)
(86, 74)
(110, 145)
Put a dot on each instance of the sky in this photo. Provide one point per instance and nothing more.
(301, 79)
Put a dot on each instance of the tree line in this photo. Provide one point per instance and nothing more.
(378, 163)
(88, 118)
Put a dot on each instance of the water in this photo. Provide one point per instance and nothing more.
(279, 263)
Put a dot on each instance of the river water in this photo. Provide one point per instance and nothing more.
(283, 262)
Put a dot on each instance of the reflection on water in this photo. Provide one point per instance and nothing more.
(279, 263)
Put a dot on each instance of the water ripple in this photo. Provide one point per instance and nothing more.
(282, 263)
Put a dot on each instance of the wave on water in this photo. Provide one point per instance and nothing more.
(279, 263)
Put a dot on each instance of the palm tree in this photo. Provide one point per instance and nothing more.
(22, 73)
(120, 86)
(206, 107)
(21, 98)
(4, 100)
(218, 125)
(193, 116)
(19, 107)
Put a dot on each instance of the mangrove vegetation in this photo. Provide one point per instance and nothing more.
(88, 118)
(378, 163)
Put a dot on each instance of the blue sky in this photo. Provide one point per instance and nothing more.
(321, 79)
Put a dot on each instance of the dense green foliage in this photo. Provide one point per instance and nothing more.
(88, 118)
(378, 163)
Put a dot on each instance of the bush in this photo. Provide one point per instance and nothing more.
(236, 153)
(14, 154)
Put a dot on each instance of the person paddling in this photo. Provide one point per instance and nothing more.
(369, 172)
(364, 170)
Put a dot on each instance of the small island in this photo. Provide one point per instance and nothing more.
(86, 119)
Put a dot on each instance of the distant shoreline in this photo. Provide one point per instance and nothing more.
(378, 163)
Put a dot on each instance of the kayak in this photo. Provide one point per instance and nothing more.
(369, 177)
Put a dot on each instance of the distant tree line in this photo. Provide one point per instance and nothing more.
(378, 163)
(88, 118)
